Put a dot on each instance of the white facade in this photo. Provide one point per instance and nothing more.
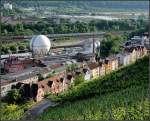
(87, 76)
(124, 59)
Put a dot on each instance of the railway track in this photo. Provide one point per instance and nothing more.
(5, 39)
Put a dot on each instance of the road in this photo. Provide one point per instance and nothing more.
(39, 108)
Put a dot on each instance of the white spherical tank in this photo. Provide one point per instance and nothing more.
(40, 45)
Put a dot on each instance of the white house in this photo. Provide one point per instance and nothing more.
(87, 76)
(124, 59)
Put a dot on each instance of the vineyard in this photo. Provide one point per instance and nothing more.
(121, 95)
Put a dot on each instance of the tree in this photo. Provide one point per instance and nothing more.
(106, 46)
(13, 48)
(13, 95)
(28, 32)
(78, 79)
(21, 47)
(82, 27)
(72, 67)
(4, 49)
(50, 30)
(19, 26)
(40, 77)
(112, 44)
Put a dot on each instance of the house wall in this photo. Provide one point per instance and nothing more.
(87, 76)
(116, 64)
(40, 94)
(7, 87)
(108, 67)
(10, 68)
(95, 72)
(145, 51)
(120, 59)
(138, 53)
(102, 70)
(125, 60)
(133, 56)
(113, 65)
(57, 86)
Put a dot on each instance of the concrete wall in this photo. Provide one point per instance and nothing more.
(7, 87)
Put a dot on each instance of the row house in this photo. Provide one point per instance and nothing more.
(84, 71)
(124, 59)
(131, 54)
(54, 85)
(114, 63)
(107, 66)
(94, 69)
(111, 64)
(140, 51)
(102, 68)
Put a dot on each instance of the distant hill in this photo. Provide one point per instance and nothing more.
(90, 5)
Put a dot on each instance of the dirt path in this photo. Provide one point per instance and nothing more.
(38, 109)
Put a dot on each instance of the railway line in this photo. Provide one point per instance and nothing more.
(52, 36)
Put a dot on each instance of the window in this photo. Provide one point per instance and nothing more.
(61, 79)
(50, 83)
(42, 86)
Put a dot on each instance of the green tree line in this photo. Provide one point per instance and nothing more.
(65, 26)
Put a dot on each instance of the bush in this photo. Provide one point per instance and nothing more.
(72, 67)
(78, 79)
(13, 48)
(21, 47)
(40, 77)
(13, 96)
(14, 111)
(11, 108)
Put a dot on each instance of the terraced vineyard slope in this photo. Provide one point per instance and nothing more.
(121, 95)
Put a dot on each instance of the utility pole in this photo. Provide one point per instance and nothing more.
(93, 45)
